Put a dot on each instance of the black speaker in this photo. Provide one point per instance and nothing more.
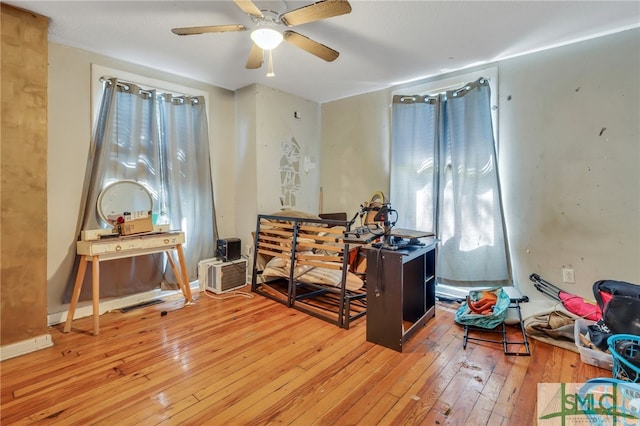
(228, 249)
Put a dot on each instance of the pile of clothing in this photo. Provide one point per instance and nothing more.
(483, 308)
(616, 311)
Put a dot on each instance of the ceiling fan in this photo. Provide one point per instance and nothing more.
(266, 36)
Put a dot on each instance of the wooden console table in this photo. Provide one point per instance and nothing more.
(96, 251)
(400, 293)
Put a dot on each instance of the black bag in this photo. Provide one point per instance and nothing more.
(619, 302)
(604, 290)
(622, 315)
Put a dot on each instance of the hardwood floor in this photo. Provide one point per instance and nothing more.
(253, 361)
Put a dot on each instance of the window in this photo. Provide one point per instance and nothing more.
(444, 176)
(159, 139)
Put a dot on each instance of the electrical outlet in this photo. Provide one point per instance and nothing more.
(568, 276)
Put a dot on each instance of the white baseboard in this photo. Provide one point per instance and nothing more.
(13, 350)
(86, 310)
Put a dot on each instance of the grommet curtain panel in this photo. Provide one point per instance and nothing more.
(160, 141)
(444, 178)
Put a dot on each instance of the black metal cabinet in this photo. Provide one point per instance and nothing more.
(400, 293)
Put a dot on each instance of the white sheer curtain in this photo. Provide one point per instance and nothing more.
(161, 141)
(444, 178)
(413, 167)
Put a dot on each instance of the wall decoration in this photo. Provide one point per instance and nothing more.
(290, 173)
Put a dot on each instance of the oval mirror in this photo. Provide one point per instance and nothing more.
(123, 196)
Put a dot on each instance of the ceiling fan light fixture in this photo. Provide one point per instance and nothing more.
(266, 38)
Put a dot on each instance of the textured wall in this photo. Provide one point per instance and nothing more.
(265, 124)
(355, 151)
(24, 176)
(570, 145)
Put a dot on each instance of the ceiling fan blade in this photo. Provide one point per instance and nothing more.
(313, 47)
(249, 8)
(255, 58)
(208, 29)
(315, 12)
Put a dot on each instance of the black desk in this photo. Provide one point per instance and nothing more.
(400, 293)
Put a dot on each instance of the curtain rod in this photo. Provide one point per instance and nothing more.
(413, 99)
(126, 85)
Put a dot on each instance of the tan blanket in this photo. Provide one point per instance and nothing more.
(277, 267)
(553, 327)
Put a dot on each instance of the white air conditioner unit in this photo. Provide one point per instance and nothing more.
(220, 277)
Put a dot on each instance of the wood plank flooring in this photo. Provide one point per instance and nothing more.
(246, 361)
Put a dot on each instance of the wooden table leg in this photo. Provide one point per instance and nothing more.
(76, 292)
(185, 275)
(178, 273)
(95, 281)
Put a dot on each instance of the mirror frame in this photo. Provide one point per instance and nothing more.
(121, 196)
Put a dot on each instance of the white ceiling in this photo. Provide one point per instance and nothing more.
(381, 43)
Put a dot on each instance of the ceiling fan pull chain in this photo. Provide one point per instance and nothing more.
(270, 72)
